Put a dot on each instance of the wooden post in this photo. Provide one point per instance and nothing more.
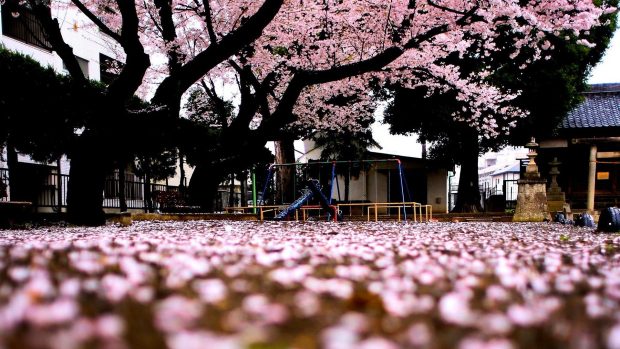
(592, 178)
(59, 185)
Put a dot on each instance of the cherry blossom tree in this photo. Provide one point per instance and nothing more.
(308, 60)
(140, 31)
(293, 60)
(551, 88)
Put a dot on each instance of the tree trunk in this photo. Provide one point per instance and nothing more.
(231, 191)
(85, 188)
(285, 154)
(148, 200)
(122, 197)
(230, 156)
(181, 174)
(468, 196)
(203, 186)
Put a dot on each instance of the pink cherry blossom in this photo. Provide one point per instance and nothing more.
(211, 290)
(377, 343)
(115, 287)
(419, 335)
(476, 343)
(491, 284)
(613, 338)
(109, 326)
(58, 312)
(455, 308)
(177, 313)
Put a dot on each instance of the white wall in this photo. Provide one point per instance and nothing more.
(86, 40)
(437, 190)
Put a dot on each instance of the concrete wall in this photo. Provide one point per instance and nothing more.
(377, 187)
(437, 190)
(358, 190)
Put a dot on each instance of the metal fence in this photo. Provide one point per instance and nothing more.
(507, 191)
(135, 193)
(53, 192)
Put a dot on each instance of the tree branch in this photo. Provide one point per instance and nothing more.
(104, 28)
(465, 15)
(54, 36)
(159, 28)
(444, 8)
(130, 78)
(174, 85)
(283, 113)
(209, 22)
(219, 103)
(249, 76)
(169, 33)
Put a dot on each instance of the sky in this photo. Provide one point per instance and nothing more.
(607, 71)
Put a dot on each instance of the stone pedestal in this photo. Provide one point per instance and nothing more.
(532, 195)
(531, 201)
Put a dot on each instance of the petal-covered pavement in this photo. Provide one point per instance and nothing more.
(218, 284)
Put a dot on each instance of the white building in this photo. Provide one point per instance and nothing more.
(45, 184)
(498, 172)
(424, 181)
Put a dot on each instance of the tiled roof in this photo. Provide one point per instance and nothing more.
(600, 109)
(514, 168)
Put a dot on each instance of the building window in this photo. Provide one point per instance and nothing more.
(109, 68)
(83, 66)
(24, 27)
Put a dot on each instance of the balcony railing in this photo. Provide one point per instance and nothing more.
(24, 27)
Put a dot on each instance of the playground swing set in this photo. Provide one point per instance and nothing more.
(314, 199)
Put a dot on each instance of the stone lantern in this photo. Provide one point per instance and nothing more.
(532, 194)
(556, 199)
(531, 171)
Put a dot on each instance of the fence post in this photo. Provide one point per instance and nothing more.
(59, 185)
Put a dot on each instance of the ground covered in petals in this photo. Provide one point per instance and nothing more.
(186, 285)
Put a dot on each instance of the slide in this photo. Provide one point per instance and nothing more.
(307, 195)
(312, 189)
(314, 186)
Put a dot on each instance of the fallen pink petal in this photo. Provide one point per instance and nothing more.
(372, 285)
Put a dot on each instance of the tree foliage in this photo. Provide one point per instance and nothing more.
(549, 87)
(40, 111)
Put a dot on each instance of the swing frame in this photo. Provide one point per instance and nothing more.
(403, 204)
